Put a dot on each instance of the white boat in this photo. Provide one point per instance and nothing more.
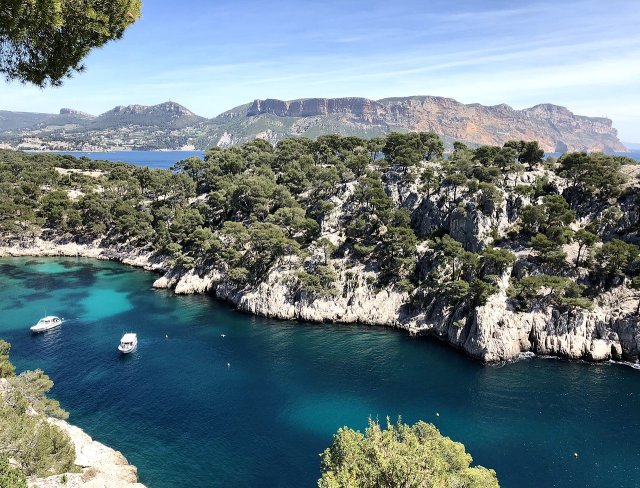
(47, 323)
(128, 343)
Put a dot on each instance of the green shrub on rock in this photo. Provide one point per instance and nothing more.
(399, 456)
(11, 476)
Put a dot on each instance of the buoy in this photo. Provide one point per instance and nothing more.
(575, 455)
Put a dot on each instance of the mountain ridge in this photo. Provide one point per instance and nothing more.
(169, 125)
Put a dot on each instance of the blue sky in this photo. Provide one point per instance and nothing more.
(214, 55)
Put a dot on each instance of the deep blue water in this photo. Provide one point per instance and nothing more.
(256, 407)
(165, 159)
(153, 159)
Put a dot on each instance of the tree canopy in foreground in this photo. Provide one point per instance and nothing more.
(415, 456)
(29, 444)
(44, 41)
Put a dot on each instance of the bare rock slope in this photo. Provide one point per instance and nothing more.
(555, 127)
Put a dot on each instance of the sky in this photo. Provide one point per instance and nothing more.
(213, 55)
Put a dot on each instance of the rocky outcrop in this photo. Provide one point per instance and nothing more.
(361, 108)
(554, 127)
(492, 332)
(97, 249)
(98, 465)
(171, 126)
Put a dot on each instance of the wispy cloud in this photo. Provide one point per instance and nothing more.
(212, 56)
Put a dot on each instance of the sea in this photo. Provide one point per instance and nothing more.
(217, 398)
(166, 159)
(152, 159)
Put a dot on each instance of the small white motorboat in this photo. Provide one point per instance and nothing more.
(128, 343)
(47, 323)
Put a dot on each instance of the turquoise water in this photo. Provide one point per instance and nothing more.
(256, 407)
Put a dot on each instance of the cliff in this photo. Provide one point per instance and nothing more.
(99, 466)
(171, 126)
(554, 127)
(493, 250)
(492, 332)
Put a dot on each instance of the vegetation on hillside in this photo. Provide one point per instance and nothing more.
(399, 456)
(29, 445)
(327, 210)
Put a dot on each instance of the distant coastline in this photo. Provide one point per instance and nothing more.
(171, 125)
(632, 146)
(165, 158)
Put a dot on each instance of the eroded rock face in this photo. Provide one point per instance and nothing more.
(493, 332)
(99, 466)
(556, 128)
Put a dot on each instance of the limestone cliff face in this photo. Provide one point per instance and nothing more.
(361, 108)
(493, 332)
(171, 126)
(555, 127)
(99, 466)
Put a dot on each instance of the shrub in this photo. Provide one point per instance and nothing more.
(399, 456)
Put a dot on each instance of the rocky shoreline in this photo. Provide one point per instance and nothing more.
(610, 331)
(99, 466)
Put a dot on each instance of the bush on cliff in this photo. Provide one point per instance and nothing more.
(412, 219)
(399, 456)
(27, 439)
(11, 476)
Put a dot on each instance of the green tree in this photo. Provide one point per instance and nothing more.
(614, 259)
(585, 240)
(548, 290)
(528, 152)
(7, 369)
(460, 262)
(598, 175)
(430, 181)
(399, 456)
(10, 476)
(398, 249)
(554, 212)
(431, 145)
(44, 41)
(405, 150)
(26, 437)
(297, 225)
(320, 283)
(53, 207)
(455, 181)
(496, 261)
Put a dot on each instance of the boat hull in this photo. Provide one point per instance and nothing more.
(127, 350)
(44, 328)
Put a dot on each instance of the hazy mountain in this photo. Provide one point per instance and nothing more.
(172, 126)
(165, 115)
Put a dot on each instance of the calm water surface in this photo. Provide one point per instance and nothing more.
(166, 159)
(256, 407)
(152, 159)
